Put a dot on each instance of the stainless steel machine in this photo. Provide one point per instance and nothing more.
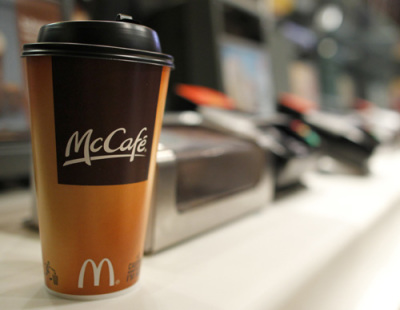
(205, 178)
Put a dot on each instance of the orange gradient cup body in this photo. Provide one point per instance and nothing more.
(95, 127)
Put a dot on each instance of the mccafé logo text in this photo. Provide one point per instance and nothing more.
(106, 146)
(96, 272)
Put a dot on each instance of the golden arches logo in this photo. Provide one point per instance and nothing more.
(96, 272)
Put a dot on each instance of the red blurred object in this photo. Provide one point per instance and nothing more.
(297, 103)
(202, 95)
(362, 104)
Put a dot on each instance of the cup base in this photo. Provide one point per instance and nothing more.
(94, 297)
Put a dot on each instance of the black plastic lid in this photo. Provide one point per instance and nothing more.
(122, 39)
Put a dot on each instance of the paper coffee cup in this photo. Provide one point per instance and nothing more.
(97, 93)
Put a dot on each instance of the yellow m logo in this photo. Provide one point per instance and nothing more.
(96, 272)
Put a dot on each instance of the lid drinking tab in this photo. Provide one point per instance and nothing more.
(126, 18)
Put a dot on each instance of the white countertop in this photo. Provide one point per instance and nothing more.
(334, 245)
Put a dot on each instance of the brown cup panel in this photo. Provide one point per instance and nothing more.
(76, 222)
